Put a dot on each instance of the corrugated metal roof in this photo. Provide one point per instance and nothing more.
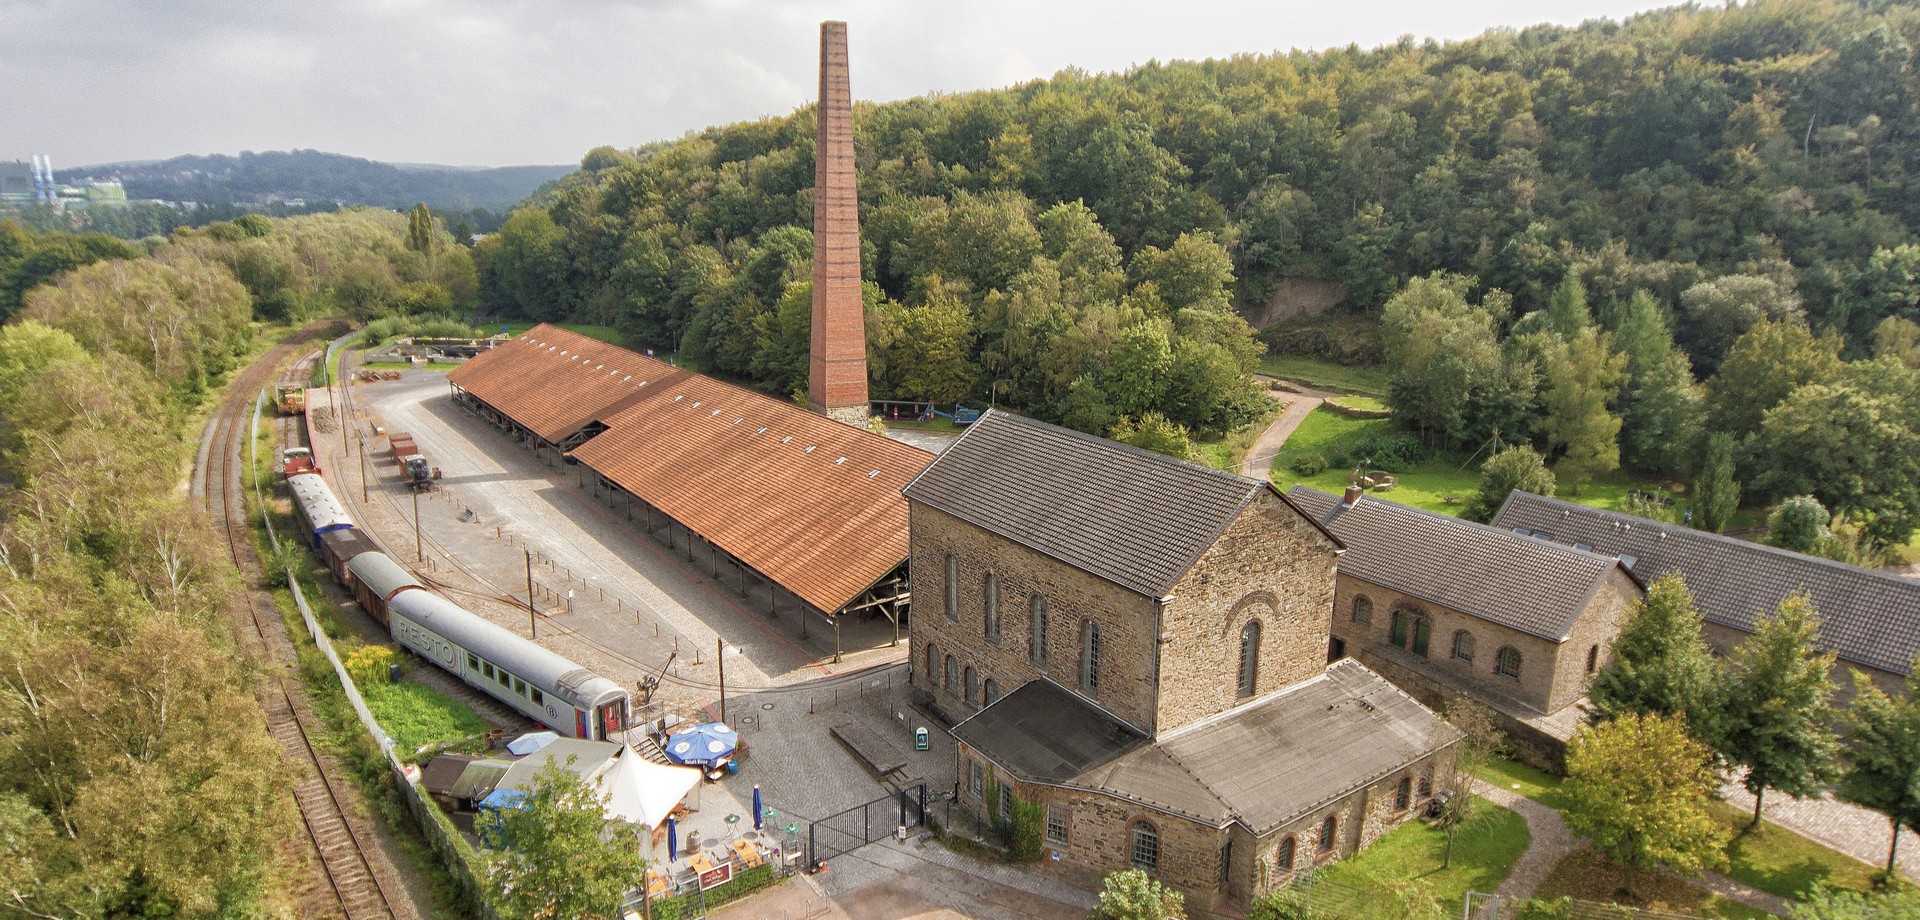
(553, 381)
(1535, 587)
(1131, 516)
(479, 778)
(809, 502)
(584, 759)
(1263, 764)
(1867, 617)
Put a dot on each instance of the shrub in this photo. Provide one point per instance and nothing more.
(1312, 463)
(1395, 453)
(1024, 841)
(371, 664)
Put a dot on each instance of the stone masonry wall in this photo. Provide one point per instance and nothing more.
(1593, 633)
(1073, 597)
(1371, 644)
(1272, 565)
(1191, 853)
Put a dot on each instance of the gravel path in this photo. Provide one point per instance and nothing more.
(1551, 842)
(1259, 458)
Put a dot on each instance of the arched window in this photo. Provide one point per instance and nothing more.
(1327, 829)
(1426, 785)
(1090, 657)
(1249, 657)
(1593, 658)
(992, 624)
(1143, 846)
(1463, 646)
(933, 666)
(1283, 857)
(951, 676)
(1363, 610)
(953, 588)
(1507, 663)
(973, 687)
(1403, 796)
(990, 691)
(1038, 610)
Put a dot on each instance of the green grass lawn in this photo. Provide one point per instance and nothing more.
(1366, 403)
(1772, 858)
(1589, 876)
(1444, 484)
(418, 716)
(1484, 852)
(1532, 782)
(1326, 375)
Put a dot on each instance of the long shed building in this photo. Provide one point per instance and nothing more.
(811, 506)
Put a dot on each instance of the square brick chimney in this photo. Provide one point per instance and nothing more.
(837, 364)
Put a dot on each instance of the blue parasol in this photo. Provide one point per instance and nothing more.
(673, 841)
(703, 744)
(756, 806)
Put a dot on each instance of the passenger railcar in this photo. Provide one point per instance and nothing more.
(532, 680)
(374, 578)
(320, 511)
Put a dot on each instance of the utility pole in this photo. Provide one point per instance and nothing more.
(419, 546)
(533, 625)
(363, 469)
(720, 656)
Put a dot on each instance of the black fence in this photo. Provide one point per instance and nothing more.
(839, 834)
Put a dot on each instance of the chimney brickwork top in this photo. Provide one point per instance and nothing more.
(837, 362)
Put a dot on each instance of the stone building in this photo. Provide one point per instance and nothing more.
(1870, 620)
(1442, 606)
(1139, 646)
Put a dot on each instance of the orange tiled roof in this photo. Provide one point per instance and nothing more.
(811, 503)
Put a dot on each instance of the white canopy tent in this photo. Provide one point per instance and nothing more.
(642, 792)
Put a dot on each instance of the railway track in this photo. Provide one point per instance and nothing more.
(352, 886)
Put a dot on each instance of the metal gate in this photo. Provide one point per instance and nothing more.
(842, 833)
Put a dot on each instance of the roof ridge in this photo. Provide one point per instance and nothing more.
(1735, 542)
(1226, 714)
(1108, 443)
(1490, 530)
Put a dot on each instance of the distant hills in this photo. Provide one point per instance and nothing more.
(262, 178)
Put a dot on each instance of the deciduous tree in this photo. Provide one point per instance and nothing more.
(554, 855)
(1131, 894)
(1517, 467)
(1638, 787)
(1883, 755)
(1778, 720)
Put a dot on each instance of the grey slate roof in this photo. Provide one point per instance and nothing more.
(1535, 587)
(1867, 617)
(1131, 516)
(1263, 765)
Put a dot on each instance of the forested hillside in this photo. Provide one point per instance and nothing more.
(274, 175)
(136, 775)
(1071, 246)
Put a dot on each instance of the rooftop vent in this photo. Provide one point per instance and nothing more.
(873, 474)
(839, 461)
(761, 430)
(787, 440)
(809, 449)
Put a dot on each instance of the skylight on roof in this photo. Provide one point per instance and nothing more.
(762, 430)
(713, 413)
(679, 396)
(696, 404)
(839, 461)
(787, 440)
(738, 421)
(873, 474)
(810, 448)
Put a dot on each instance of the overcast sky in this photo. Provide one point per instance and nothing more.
(498, 82)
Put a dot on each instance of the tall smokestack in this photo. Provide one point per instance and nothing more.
(837, 365)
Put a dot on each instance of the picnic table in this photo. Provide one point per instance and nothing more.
(748, 854)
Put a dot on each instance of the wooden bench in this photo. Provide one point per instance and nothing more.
(880, 755)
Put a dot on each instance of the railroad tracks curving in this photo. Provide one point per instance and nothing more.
(352, 884)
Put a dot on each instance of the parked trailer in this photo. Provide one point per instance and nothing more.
(542, 685)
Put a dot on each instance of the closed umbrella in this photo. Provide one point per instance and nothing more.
(673, 841)
(756, 806)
